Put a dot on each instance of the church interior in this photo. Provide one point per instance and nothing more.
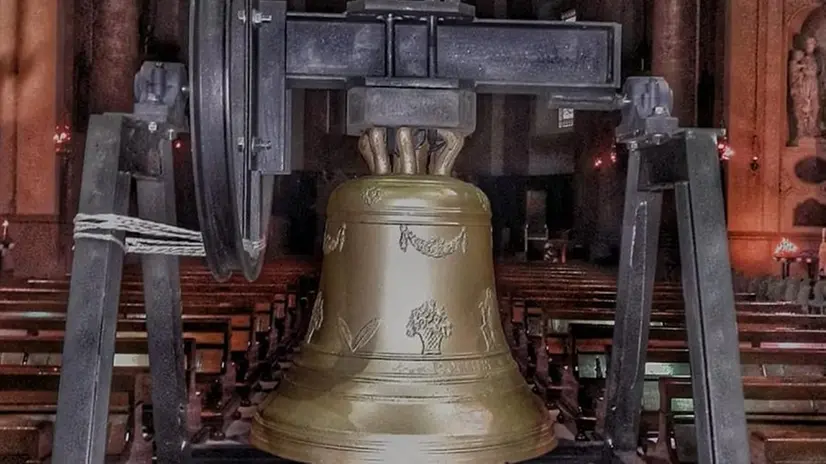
(260, 231)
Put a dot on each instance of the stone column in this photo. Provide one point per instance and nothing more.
(115, 56)
(674, 53)
(8, 103)
(600, 191)
(674, 56)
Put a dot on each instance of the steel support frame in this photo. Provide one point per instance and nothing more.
(387, 61)
(116, 147)
(688, 162)
(575, 65)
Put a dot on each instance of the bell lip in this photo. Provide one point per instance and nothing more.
(514, 448)
(398, 198)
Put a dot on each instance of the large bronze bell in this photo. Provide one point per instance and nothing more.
(405, 360)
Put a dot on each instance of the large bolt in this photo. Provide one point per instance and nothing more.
(258, 17)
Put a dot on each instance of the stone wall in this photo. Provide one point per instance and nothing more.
(32, 107)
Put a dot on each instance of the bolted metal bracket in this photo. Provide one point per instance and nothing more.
(140, 151)
(646, 111)
(431, 103)
(161, 94)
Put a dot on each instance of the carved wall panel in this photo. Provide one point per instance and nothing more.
(803, 187)
(803, 164)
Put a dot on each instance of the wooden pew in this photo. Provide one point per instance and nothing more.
(28, 392)
(791, 444)
(236, 297)
(553, 316)
(250, 332)
(520, 278)
(28, 401)
(550, 302)
(597, 338)
(246, 320)
(228, 321)
(215, 375)
(777, 408)
(541, 320)
(670, 362)
(812, 321)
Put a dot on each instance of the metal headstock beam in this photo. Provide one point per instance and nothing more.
(505, 57)
(442, 65)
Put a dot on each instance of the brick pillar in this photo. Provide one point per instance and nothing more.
(674, 53)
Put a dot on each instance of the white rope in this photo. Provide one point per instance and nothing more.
(148, 238)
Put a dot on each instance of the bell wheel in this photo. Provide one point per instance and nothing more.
(234, 200)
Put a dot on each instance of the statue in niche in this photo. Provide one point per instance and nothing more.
(804, 92)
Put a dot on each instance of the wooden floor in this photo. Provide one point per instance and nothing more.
(557, 318)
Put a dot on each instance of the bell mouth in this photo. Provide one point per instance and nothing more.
(498, 426)
(341, 448)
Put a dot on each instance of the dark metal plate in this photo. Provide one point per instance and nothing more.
(233, 197)
(324, 51)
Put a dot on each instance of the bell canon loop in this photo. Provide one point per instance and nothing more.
(405, 359)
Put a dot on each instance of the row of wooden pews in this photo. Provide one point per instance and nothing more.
(559, 321)
(233, 334)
